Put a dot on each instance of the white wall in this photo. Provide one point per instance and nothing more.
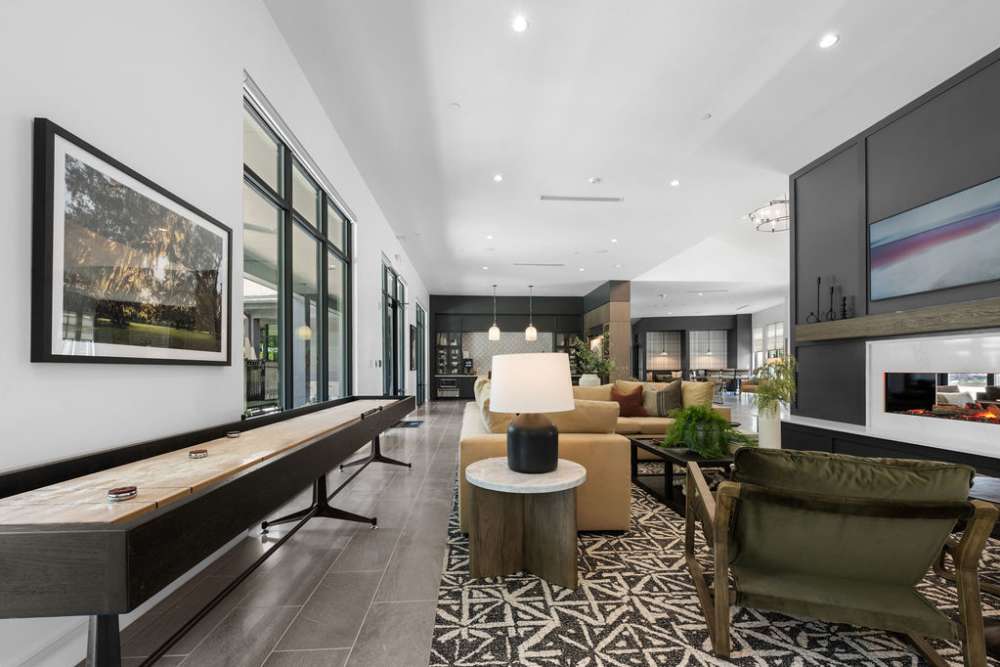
(158, 85)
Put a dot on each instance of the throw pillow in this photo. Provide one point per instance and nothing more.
(697, 393)
(630, 402)
(668, 399)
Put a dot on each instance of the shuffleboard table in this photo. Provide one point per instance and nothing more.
(67, 550)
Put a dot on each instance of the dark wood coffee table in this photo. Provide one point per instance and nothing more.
(662, 486)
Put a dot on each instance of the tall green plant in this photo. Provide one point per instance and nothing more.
(775, 385)
(705, 432)
(592, 361)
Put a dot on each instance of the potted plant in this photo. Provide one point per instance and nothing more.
(705, 432)
(775, 388)
(592, 364)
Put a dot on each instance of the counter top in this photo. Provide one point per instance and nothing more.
(454, 375)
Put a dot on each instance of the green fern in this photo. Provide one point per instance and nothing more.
(705, 432)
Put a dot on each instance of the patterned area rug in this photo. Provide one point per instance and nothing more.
(636, 606)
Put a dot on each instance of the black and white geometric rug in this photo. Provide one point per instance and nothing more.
(636, 606)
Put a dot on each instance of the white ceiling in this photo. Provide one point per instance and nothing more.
(616, 90)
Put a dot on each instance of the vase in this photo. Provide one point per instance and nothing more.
(590, 380)
(769, 429)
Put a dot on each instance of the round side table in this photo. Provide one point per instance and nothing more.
(523, 522)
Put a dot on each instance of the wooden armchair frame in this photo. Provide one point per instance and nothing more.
(716, 513)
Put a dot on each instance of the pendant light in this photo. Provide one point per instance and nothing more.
(494, 333)
(531, 333)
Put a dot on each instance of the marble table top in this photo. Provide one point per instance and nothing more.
(495, 475)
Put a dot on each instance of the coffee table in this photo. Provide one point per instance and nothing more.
(522, 522)
(662, 486)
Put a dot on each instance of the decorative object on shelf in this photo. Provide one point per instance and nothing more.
(705, 432)
(125, 271)
(775, 382)
(813, 317)
(531, 333)
(528, 385)
(494, 332)
(774, 217)
(950, 242)
(591, 363)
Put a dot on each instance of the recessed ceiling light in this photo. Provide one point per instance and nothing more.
(669, 313)
(674, 183)
(614, 240)
(828, 40)
(486, 268)
(581, 268)
(489, 237)
(594, 180)
(520, 23)
(454, 106)
(497, 178)
(618, 266)
(701, 294)
(707, 116)
(663, 296)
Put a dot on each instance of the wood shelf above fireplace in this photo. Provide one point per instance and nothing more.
(981, 314)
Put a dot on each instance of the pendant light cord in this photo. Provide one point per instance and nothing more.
(494, 305)
(530, 311)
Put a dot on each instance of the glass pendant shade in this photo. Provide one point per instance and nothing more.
(531, 333)
(494, 332)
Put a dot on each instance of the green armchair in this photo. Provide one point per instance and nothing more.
(838, 538)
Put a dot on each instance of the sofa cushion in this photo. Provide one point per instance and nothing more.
(599, 393)
(628, 386)
(630, 401)
(697, 393)
(587, 417)
(495, 422)
(662, 401)
(477, 386)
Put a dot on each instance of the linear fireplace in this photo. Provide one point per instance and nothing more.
(921, 395)
(938, 391)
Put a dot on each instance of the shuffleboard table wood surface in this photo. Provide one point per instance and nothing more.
(169, 477)
(66, 550)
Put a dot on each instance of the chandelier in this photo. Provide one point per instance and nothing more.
(774, 217)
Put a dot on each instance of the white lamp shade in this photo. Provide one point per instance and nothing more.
(494, 332)
(531, 333)
(531, 383)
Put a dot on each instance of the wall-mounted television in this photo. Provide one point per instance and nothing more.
(950, 242)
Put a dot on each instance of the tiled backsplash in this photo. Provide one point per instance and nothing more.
(481, 349)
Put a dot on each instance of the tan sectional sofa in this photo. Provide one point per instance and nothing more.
(586, 436)
(692, 393)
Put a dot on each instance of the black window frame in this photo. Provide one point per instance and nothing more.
(325, 247)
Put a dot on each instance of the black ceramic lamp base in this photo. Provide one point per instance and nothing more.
(532, 444)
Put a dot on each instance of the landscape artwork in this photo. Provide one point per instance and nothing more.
(950, 242)
(136, 275)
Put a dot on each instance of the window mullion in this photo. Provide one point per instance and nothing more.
(288, 346)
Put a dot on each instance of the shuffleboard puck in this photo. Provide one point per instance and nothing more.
(197, 453)
(232, 434)
(121, 493)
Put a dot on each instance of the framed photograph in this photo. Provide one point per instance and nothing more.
(123, 271)
(413, 348)
(950, 242)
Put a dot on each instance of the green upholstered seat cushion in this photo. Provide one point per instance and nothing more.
(884, 557)
(888, 607)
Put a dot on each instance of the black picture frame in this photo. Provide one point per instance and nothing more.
(413, 347)
(46, 136)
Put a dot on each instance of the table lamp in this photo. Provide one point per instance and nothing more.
(528, 385)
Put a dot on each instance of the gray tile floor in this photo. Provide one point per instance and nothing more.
(337, 593)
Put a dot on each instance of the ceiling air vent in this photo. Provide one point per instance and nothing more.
(581, 199)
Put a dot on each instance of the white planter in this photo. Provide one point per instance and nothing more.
(589, 380)
(769, 429)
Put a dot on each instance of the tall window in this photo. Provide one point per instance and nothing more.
(775, 339)
(295, 278)
(393, 332)
(758, 347)
(707, 350)
(663, 350)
